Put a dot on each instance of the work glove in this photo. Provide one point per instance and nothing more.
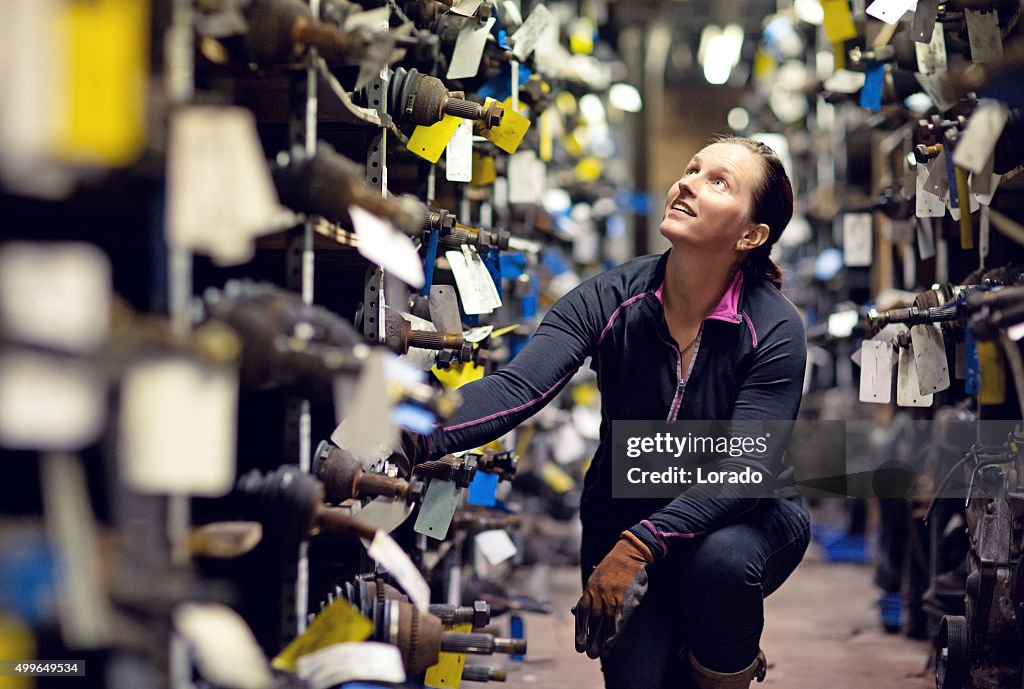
(613, 591)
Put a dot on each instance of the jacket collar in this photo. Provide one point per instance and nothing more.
(728, 308)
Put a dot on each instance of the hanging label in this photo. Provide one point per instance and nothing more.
(857, 239)
(838, 21)
(871, 94)
(338, 622)
(931, 55)
(507, 135)
(938, 89)
(978, 141)
(177, 427)
(224, 648)
(908, 392)
(336, 664)
(972, 370)
(381, 243)
(525, 178)
(55, 294)
(435, 516)
(526, 37)
(219, 189)
(484, 171)
(429, 142)
(367, 431)
(890, 11)
(483, 490)
(49, 402)
(447, 672)
(952, 201)
(876, 372)
(984, 186)
(391, 557)
(454, 377)
(845, 81)
(925, 20)
(387, 514)
(496, 546)
(469, 49)
(937, 181)
(930, 357)
(992, 384)
(925, 238)
(467, 8)
(927, 204)
(476, 288)
(459, 154)
(983, 33)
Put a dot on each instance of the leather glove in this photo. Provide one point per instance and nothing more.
(613, 591)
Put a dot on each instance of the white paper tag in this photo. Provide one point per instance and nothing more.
(525, 185)
(932, 57)
(908, 392)
(367, 661)
(927, 205)
(476, 288)
(937, 182)
(983, 32)
(972, 203)
(978, 141)
(224, 648)
(391, 557)
(49, 402)
(876, 372)
(845, 81)
(479, 333)
(938, 89)
(925, 238)
(367, 431)
(930, 358)
(55, 294)
(220, 193)
(381, 243)
(857, 239)
(177, 427)
(496, 546)
(459, 154)
(890, 11)
(469, 49)
(527, 36)
(387, 514)
(984, 184)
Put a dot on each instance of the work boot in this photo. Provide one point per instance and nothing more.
(709, 679)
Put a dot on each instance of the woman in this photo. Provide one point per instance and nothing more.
(701, 332)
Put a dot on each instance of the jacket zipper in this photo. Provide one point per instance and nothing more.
(677, 400)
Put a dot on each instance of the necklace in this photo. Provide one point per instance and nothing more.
(684, 350)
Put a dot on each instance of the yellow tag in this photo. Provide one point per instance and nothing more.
(566, 103)
(454, 377)
(337, 623)
(429, 142)
(510, 132)
(484, 172)
(585, 394)
(963, 193)
(993, 376)
(571, 144)
(448, 670)
(556, 478)
(838, 21)
(764, 65)
(504, 331)
(581, 41)
(838, 57)
(16, 641)
(547, 135)
(589, 169)
(106, 46)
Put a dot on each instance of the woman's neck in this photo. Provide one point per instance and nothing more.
(693, 291)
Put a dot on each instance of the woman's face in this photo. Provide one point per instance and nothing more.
(708, 207)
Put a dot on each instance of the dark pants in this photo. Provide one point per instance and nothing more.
(707, 595)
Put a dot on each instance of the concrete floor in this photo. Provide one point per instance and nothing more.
(822, 630)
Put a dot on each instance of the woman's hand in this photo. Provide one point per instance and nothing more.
(613, 591)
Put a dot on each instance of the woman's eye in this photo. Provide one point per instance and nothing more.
(720, 183)
(691, 171)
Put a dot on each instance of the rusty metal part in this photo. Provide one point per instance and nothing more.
(344, 477)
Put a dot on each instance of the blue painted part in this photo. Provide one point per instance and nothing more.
(954, 196)
(871, 94)
(413, 418)
(429, 262)
(28, 573)
(972, 369)
(890, 611)
(493, 263)
(555, 261)
(517, 630)
(633, 201)
(499, 87)
(483, 490)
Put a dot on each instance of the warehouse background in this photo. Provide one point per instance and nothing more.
(250, 249)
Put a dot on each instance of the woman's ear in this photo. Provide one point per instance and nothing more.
(753, 236)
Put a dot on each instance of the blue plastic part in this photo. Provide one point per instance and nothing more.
(483, 490)
(429, 261)
(492, 261)
(838, 545)
(517, 630)
(413, 418)
(890, 610)
(972, 369)
(954, 195)
(871, 93)
(28, 572)
(499, 87)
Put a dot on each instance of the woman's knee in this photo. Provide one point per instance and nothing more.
(724, 562)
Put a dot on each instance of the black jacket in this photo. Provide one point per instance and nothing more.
(748, 364)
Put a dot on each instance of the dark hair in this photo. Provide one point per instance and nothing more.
(772, 205)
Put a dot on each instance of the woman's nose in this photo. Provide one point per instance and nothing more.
(685, 186)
